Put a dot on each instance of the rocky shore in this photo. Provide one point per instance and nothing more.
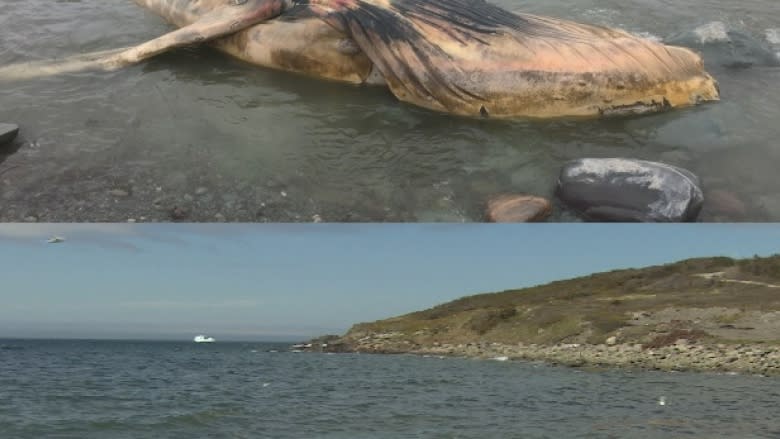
(704, 314)
(682, 355)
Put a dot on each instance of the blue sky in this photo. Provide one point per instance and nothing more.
(290, 282)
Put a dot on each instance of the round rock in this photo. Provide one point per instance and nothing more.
(723, 202)
(178, 213)
(617, 189)
(517, 209)
(8, 133)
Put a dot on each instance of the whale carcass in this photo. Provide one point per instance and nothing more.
(465, 57)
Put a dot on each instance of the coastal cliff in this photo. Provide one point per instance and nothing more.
(716, 314)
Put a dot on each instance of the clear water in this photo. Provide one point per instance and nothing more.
(109, 389)
(222, 140)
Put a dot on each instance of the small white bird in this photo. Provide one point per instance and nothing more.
(662, 400)
(56, 240)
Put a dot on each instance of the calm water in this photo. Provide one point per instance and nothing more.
(220, 139)
(106, 389)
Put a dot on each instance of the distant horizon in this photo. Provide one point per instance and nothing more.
(247, 282)
(67, 331)
(160, 340)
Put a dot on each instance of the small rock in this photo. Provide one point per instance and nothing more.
(118, 193)
(8, 133)
(31, 219)
(201, 191)
(611, 341)
(618, 189)
(723, 202)
(178, 213)
(131, 220)
(517, 209)
(219, 217)
(188, 197)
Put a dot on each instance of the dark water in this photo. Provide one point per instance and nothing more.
(108, 389)
(218, 139)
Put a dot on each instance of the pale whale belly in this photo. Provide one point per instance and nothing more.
(299, 42)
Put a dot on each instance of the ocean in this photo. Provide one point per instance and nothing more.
(132, 389)
(195, 135)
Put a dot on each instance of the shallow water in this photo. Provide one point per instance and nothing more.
(106, 389)
(219, 139)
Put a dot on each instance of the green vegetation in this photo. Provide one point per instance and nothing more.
(759, 267)
(590, 309)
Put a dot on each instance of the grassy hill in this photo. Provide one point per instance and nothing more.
(718, 300)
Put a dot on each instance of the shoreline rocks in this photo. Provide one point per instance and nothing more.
(617, 189)
(683, 355)
(8, 133)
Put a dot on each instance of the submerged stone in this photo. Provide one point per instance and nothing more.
(720, 43)
(8, 132)
(616, 189)
(517, 209)
(725, 203)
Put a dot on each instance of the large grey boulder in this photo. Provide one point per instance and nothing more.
(8, 133)
(616, 189)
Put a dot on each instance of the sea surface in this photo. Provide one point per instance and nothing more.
(195, 135)
(128, 389)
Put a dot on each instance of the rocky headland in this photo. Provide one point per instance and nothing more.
(708, 314)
